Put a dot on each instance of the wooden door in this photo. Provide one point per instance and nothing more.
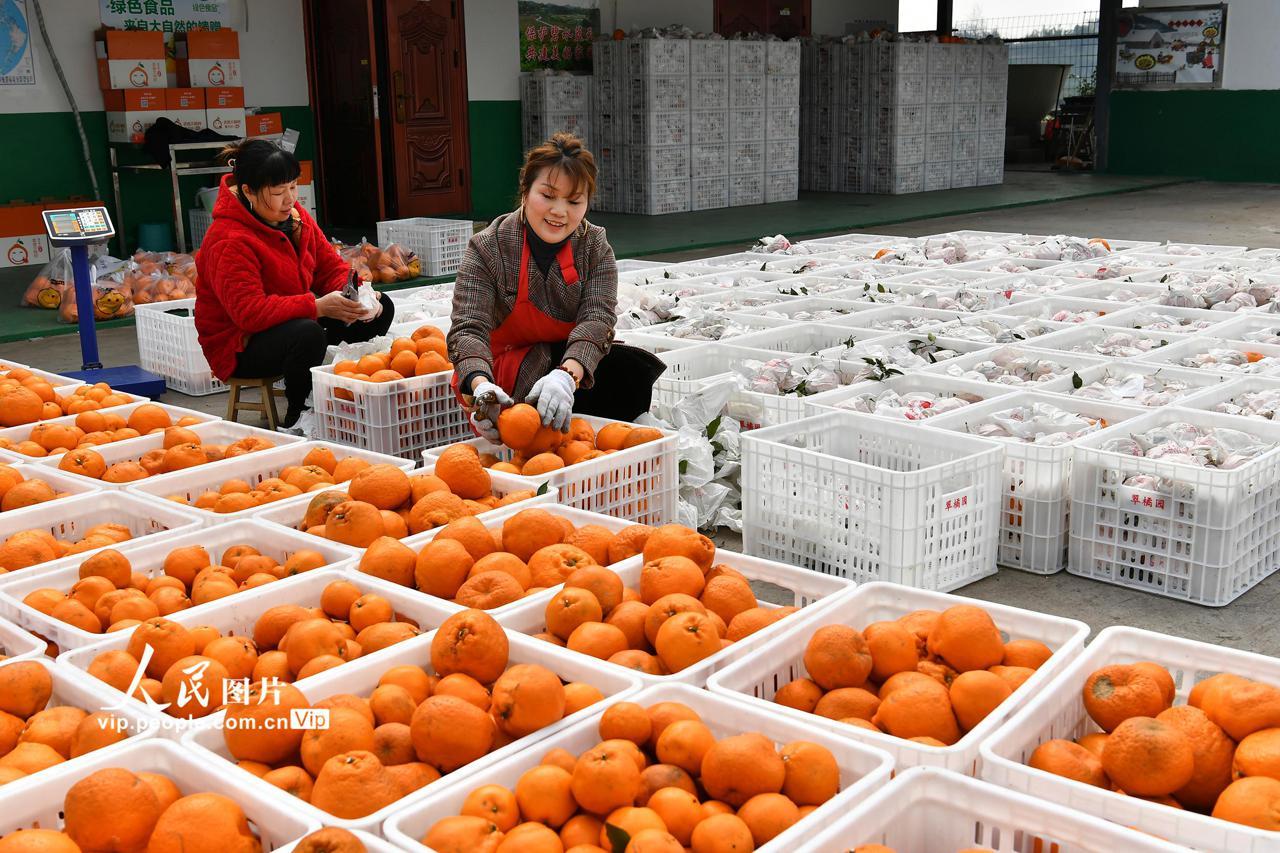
(344, 81)
(783, 18)
(426, 64)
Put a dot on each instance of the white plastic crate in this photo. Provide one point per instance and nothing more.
(710, 193)
(400, 418)
(1200, 381)
(650, 198)
(61, 384)
(1087, 311)
(962, 811)
(77, 690)
(1204, 535)
(147, 556)
(237, 615)
(963, 366)
(1233, 392)
(647, 57)
(37, 802)
(1120, 291)
(438, 243)
(1086, 339)
(862, 769)
(198, 221)
(807, 338)
(781, 186)
(58, 480)
(937, 176)
(292, 513)
(1256, 326)
(210, 432)
(968, 90)
(808, 590)
(782, 57)
(782, 91)
(852, 495)
(361, 678)
(747, 125)
(77, 514)
(746, 158)
(778, 305)
(898, 318)
(662, 93)
(22, 433)
(746, 190)
(735, 326)
(555, 91)
(168, 346)
(1036, 509)
(253, 468)
(1175, 320)
(907, 384)
(747, 57)
(781, 155)
(16, 644)
(709, 93)
(709, 57)
(640, 483)
(756, 677)
(1058, 712)
(1255, 358)
(710, 127)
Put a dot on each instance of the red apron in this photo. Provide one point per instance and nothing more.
(526, 325)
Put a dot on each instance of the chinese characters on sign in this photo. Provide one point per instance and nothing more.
(557, 35)
(166, 16)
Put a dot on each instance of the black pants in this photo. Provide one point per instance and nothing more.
(295, 346)
(623, 387)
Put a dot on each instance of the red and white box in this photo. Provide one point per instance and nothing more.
(185, 107)
(224, 110)
(208, 59)
(22, 238)
(265, 124)
(130, 59)
(130, 112)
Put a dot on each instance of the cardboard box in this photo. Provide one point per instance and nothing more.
(308, 173)
(224, 110)
(130, 112)
(22, 238)
(208, 59)
(264, 124)
(185, 107)
(130, 59)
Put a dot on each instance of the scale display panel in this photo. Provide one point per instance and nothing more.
(79, 225)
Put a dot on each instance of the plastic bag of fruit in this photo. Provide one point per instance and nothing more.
(47, 288)
(112, 295)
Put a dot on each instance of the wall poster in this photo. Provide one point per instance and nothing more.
(1175, 47)
(558, 34)
(17, 65)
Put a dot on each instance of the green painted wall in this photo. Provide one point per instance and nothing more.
(495, 156)
(1213, 134)
(49, 164)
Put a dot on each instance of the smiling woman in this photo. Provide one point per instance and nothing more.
(535, 304)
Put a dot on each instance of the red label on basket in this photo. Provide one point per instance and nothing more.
(956, 503)
(1135, 498)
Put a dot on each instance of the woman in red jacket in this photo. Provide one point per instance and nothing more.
(269, 290)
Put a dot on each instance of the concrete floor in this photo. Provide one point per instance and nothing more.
(1236, 214)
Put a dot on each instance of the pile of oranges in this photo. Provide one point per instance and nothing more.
(928, 677)
(1218, 754)
(112, 596)
(26, 398)
(116, 809)
(658, 782)
(686, 609)
(471, 565)
(540, 450)
(19, 492)
(35, 735)
(93, 428)
(384, 501)
(413, 727)
(289, 643)
(422, 353)
(320, 469)
(34, 546)
(182, 449)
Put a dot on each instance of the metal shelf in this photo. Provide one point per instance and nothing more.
(175, 170)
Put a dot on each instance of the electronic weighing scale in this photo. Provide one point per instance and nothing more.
(76, 229)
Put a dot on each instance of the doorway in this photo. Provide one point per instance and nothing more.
(782, 18)
(388, 85)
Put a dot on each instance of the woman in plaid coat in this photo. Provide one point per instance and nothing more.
(535, 303)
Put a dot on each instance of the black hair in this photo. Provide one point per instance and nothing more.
(258, 163)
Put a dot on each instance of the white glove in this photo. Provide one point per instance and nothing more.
(487, 429)
(489, 400)
(552, 395)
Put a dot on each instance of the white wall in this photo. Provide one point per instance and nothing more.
(272, 51)
(830, 16)
(1252, 61)
(493, 49)
(698, 15)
